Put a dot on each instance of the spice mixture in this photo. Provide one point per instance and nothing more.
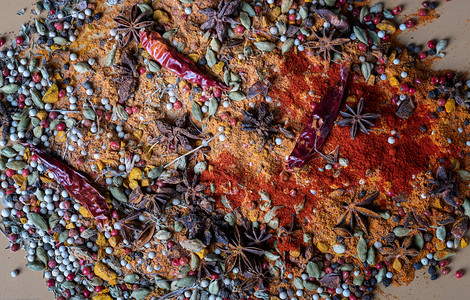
(230, 149)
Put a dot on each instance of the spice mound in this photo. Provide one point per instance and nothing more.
(228, 149)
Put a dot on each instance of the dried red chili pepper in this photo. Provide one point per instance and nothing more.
(174, 61)
(77, 185)
(319, 126)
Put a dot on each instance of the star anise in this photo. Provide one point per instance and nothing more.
(256, 236)
(399, 251)
(445, 186)
(239, 254)
(206, 268)
(132, 24)
(256, 277)
(189, 188)
(176, 135)
(326, 44)
(135, 231)
(357, 211)
(206, 227)
(454, 89)
(356, 119)
(152, 203)
(221, 17)
(261, 121)
(128, 76)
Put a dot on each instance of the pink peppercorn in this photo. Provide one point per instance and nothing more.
(441, 102)
(422, 12)
(59, 26)
(217, 93)
(61, 127)
(397, 10)
(459, 274)
(240, 29)
(445, 270)
(292, 17)
(410, 23)
(423, 55)
(19, 40)
(362, 47)
(432, 44)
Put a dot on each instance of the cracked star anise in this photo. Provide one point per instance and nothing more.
(356, 119)
(445, 186)
(261, 121)
(220, 18)
(134, 231)
(356, 211)
(128, 76)
(454, 89)
(326, 44)
(399, 251)
(132, 24)
(239, 254)
(176, 135)
(413, 218)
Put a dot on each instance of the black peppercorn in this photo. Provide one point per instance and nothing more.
(98, 16)
(80, 22)
(66, 66)
(149, 75)
(41, 40)
(386, 282)
(66, 81)
(433, 94)
(202, 61)
(433, 5)
(89, 20)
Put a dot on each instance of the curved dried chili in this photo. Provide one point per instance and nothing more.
(77, 185)
(174, 61)
(319, 126)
